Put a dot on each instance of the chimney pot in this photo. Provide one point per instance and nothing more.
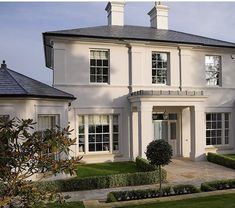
(3, 65)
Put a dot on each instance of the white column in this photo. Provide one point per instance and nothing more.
(145, 127)
(134, 135)
(198, 133)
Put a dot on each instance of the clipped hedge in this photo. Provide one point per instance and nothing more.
(221, 160)
(151, 193)
(143, 164)
(100, 182)
(218, 185)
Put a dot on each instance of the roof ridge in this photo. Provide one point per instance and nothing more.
(36, 81)
(16, 80)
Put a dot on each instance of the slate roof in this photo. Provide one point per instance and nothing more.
(14, 84)
(140, 33)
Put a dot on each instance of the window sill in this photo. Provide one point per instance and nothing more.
(219, 147)
(99, 84)
(116, 153)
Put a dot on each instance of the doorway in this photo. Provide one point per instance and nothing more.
(166, 129)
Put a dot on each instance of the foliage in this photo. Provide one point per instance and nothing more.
(66, 205)
(143, 164)
(108, 168)
(221, 160)
(151, 193)
(100, 182)
(25, 153)
(218, 185)
(159, 153)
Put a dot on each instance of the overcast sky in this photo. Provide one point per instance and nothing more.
(22, 24)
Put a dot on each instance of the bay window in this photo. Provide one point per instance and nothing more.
(217, 128)
(47, 122)
(98, 133)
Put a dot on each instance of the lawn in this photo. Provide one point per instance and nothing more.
(230, 155)
(222, 201)
(99, 169)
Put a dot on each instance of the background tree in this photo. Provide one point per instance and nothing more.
(24, 153)
(159, 153)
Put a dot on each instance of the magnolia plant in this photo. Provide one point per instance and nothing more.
(25, 153)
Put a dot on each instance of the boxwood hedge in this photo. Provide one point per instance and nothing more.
(221, 160)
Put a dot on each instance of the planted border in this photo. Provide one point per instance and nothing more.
(100, 182)
(218, 185)
(151, 193)
(221, 160)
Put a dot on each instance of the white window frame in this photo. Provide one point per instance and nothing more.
(103, 67)
(57, 119)
(86, 130)
(156, 69)
(219, 72)
(222, 129)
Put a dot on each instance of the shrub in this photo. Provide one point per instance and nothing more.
(185, 189)
(100, 182)
(143, 164)
(150, 193)
(221, 160)
(218, 185)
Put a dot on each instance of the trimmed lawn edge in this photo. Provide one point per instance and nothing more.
(97, 204)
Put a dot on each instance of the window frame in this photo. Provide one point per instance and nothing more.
(108, 67)
(86, 133)
(222, 129)
(220, 70)
(156, 69)
(57, 119)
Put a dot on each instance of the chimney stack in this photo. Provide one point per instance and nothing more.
(159, 16)
(3, 65)
(115, 11)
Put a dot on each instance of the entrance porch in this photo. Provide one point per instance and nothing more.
(175, 116)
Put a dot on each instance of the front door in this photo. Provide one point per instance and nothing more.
(166, 130)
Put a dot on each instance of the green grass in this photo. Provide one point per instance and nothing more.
(66, 205)
(222, 201)
(230, 155)
(99, 169)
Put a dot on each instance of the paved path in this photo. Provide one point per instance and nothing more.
(180, 171)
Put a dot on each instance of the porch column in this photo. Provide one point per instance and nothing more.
(145, 127)
(134, 134)
(198, 133)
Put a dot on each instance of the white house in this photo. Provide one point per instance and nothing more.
(134, 84)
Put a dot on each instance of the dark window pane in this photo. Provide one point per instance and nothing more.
(91, 147)
(219, 116)
(106, 137)
(92, 62)
(105, 79)
(213, 141)
(91, 138)
(207, 141)
(92, 70)
(226, 124)
(81, 138)
(99, 147)
(115, 137)
(106, 147)
(91, 128)
(115, 146)
(219, 125)
(105, 62)
(99, 62)
(219, 140)
(226, 116)
(172, 116)
(207, 133)
(81, 129)
(213, 125)
(154, 65)
(92, 78)
(98, 129)
(99, 78)
(105, 71)
(115, 128)
(106, 128)
(99, 71)
(98, 137)
(226, 140)
(154, 72)
(208, 117)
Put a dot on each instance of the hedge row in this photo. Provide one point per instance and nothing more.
(221, 160)
(100, 182)
(218, 185)
(151, 193)
(143, 164)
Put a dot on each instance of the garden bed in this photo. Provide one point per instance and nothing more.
(224, 160)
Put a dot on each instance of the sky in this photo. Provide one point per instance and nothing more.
(22, 25)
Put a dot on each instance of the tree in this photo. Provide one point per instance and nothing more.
(159, 153)
(24, 153)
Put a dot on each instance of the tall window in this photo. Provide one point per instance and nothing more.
(99, 66)
(213, 70)
(47, 122)
(159, 68)
(101, 131)
(217, 128)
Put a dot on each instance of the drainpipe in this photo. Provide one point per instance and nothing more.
(180, 69)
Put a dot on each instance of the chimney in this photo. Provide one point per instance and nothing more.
(115, 11)
(3, 65)
(159, 16)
